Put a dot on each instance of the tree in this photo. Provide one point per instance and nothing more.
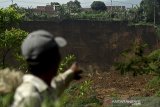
(10, 38)
(77, 3)
(9, 17)
(74, 6)
(55, 3)
(136, 14)
(63, 12)
(134, 60)
(149, 7)
(98, 6)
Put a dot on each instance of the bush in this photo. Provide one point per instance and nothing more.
(153, 86)
(66, 63)
(10, 42)
(10, 37)
(154, 61)
(133, 60)
(80, 95)
(6, 99)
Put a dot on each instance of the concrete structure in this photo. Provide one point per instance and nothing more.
(109, 8)
(48, 9)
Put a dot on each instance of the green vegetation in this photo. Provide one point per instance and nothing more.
(149, 7)
(81, 94)
(155, 85)
(66, 63)
(9, 17)
(84, 95)
(98, 6)
(99, 16)
(74, 6)
(98, 11)
(77, 95)
(10, 37)
(6, 99)
(10, 42)
(135, 61)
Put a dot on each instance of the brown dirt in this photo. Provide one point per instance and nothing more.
(113, 84)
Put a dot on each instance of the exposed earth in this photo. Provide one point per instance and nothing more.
(113, 84)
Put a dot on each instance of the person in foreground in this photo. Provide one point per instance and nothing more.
(41, 51)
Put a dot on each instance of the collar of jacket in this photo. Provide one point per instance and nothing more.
(36, 81)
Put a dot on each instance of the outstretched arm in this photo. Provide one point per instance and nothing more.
(60, 82)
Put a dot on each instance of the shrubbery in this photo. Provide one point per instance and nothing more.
(10, 36)
(79, 94)
(135, 61)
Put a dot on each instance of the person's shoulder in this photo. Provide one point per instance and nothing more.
(26, 94)
(26, 89)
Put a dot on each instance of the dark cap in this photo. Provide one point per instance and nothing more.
(39, 42)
